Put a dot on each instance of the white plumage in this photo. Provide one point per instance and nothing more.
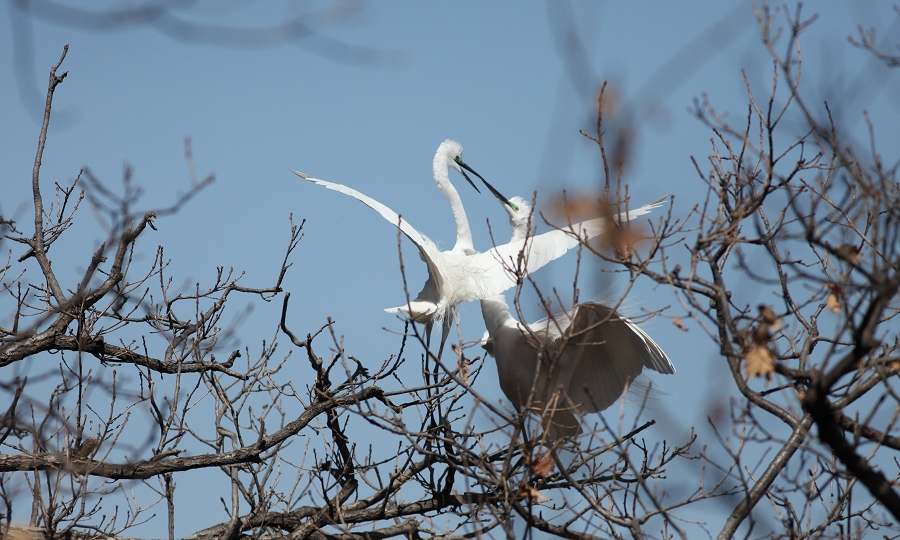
(461, 274)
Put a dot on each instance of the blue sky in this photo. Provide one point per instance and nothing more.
(497, 77)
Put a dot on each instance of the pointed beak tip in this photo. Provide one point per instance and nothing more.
(469, 180)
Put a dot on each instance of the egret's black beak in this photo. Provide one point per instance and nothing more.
(466, 176)
(501, 198)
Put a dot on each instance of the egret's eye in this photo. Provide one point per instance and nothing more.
(513, 206)
(457, 159)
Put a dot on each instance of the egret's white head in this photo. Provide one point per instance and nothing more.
(449, 154)
(519, 210)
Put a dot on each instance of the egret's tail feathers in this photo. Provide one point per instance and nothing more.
(562, 423)
(420, 312)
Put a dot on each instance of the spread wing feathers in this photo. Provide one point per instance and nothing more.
(600, 354)
(499, 266)
(595, 322)
(427, 248)
(652, 354)
(425, 245)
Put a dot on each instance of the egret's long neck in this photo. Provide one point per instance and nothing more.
(495, 311)
(463, 232)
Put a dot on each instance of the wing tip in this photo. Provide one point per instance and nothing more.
(658, 202)
(302, 175)
(662, 364)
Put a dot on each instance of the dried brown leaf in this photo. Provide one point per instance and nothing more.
(463, 366)
(541, 464)
(848, 252)
(86, 449)
(833, 302)
(531, 493)
(760, 361)
(679, 325)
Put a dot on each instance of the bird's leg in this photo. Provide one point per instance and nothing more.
(445, 331)
(435, 415)
(426, 370)
(431, 380)
(428, 327)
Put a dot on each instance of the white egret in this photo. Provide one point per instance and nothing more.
(425, 308)
(569, 364)
(460, 274)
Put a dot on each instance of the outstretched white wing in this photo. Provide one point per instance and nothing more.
(498, 267)
(427, 247)
(420, 240)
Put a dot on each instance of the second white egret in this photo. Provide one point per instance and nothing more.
(569, 364)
